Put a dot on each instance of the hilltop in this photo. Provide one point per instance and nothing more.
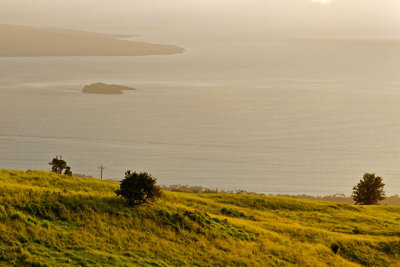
(54, 220)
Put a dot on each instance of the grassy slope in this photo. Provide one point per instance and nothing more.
(49, 219)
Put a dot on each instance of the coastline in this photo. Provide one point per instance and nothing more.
(24, 41)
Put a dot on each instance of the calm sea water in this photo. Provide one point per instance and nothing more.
(271, 116)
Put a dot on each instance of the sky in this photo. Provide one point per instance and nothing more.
(276, 18)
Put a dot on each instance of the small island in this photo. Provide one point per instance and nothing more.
(103, 88)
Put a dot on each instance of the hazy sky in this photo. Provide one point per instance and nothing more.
(288, 18)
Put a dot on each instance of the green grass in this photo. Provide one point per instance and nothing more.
(54, 220)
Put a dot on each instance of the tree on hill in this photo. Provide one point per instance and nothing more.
(58, 165)
(138, 188)
(68, 171)
(369, 191)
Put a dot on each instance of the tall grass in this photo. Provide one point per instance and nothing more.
(54, 220)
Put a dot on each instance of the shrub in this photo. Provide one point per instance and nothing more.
(335, 248)
(138, 188)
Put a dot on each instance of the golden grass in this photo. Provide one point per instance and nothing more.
(54, 220)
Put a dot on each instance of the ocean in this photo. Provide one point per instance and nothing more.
(268, 116)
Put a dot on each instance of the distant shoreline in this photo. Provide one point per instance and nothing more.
(25, 41)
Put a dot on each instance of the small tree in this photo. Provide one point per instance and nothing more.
(68, 171)
(138, 188)
(58, 165)
(369, 191)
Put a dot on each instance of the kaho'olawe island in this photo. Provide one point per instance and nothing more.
(58, 219)
(25, 41)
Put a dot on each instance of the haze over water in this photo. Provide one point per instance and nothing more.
(251, 112)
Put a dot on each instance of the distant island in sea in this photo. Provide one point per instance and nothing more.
(103, 88)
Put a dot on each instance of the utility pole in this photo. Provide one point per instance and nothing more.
(101, 171)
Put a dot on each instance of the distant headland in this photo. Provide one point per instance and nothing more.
(24, 41)
(103, 88)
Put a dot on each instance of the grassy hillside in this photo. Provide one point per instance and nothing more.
(54, 220)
